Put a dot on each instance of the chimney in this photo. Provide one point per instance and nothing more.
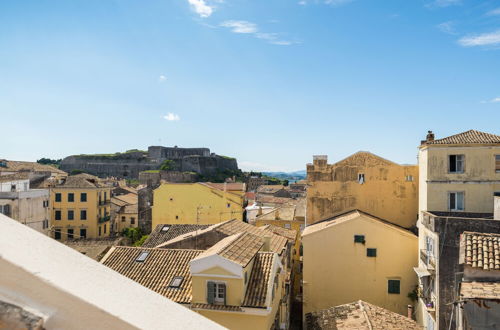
(260, 211)
(267, 244)
(430, 136)
(410, 312)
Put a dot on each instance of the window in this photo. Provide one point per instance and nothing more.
(361, 178)
(496, 194)
(5, 210)
(371, 253)
(409, 178)
(288, 226)
(57, 233)
(58, 197)
(165, 228)
(83, 214)
(99, 230)
(12, 187)
(497, 163)
(142, 257)
(71, 197)
(176, 217)
(57, 215)
(216, 293)
(393, 286)
(71, 214)
(83, 233)
(456, 163)
(70, 233)
(132, 221)
(228, 205)
(123, 219)
(176, 282)
(105, 196)
(456, 201)
(105, 228)
(83, 197)
(359, 239)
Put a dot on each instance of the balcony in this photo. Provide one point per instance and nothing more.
(428, 259)
(104, 202)
(104, 219)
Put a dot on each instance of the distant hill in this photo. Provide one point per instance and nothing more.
(290, 176)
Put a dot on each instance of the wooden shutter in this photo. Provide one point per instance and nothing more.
(210, 292)
(497, 163)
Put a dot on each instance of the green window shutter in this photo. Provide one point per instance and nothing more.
(210, 292)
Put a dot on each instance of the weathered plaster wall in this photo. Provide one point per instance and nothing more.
(385, 193)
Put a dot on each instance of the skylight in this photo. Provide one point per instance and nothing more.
(142, 256)
(165, 228)
(176, 282)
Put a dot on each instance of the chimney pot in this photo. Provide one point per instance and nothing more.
(430, 136)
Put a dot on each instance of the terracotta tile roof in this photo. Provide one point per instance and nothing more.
(128, 198)
(267, 199)
(94, 248)
(481, 250)
(226, 308)
(156, 271)
(159, 236)
(468, 137)
(259, 280)
(82, 180)
(358, 315)
(15, 177)
(18, 166)
(480, 290)
(290, 234)
(269, 189)
(240, 248)
(278, 243)
(130, 209)
(118, 202)
(230, 186)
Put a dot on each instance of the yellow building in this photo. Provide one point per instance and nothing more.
(197, 203)
(238, 282)
(459, 173)
(80, 208)
(291, 218)
(356, 256)
(366, 182)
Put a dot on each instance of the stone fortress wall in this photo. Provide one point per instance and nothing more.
(129, 164)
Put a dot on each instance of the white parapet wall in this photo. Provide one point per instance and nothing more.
(71, 291)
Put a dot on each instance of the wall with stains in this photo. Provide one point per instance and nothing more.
(389, 190)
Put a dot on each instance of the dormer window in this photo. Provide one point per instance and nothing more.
(361, 178)
(165, 228)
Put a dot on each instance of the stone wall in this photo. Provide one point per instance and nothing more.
(155, 177)
(129, 164)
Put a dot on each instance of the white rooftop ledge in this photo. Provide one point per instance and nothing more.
(71, 291)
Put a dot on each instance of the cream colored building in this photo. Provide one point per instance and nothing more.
(459, 173)
(356, 256)
(124, 211)
(366, 182)
(197, 203)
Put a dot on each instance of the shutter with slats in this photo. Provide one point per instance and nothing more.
(210, 292)
(6, 210)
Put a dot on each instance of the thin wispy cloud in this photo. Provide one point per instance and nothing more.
(485, 39)
(172, 117)
(245, 27)
(447, 27)
(201, 7)
(240, 26)
(326, 2)
(162, 78)
(494, 12)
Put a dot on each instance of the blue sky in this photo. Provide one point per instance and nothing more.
(271, 82)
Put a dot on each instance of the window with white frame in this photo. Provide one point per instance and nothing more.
(456, 163)
(216, 292)
(456, 201)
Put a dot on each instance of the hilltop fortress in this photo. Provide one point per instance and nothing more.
(128, 164)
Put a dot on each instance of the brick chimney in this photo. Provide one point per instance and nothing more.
(410, 312)
(428, 138)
